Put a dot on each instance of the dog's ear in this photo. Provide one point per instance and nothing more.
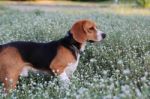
(78, 32)
(88, 25)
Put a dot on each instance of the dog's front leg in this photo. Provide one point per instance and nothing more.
(64, 80)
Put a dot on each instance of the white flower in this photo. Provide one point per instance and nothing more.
(111, 87)
(139, 94)
(93, 60)
(126, 89)
(105, 72)
(82, 90)
(107, 97)
(126, 71)
(120, 62)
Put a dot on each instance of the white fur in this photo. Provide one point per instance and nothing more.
(64, 80)
(99, 35)
(63, 77)
(83, 46)
(26, 69)
(69, 70)
(24, 72)
(72, 67)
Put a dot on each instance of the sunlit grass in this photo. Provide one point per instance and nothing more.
(132, 11)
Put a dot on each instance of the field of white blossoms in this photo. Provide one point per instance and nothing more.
(117, 68)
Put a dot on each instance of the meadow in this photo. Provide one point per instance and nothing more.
(117, 68)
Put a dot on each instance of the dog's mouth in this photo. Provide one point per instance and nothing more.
(91, 41)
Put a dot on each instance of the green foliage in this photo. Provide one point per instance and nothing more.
(143, 3)
(118, 67)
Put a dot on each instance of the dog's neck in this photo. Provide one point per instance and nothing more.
(80, 46)
(72, 44)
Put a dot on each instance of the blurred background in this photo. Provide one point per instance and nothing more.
(119, 6)
(139, 3)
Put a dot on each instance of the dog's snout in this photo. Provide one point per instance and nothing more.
(103, 35)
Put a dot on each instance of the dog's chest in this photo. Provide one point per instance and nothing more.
(72, 67)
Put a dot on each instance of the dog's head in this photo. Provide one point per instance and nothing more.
(86, 30)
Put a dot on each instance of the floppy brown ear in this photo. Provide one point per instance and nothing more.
(78, 32)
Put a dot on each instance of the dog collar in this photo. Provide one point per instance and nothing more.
(76, 46)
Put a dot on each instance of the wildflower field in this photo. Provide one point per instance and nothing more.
(117, 68)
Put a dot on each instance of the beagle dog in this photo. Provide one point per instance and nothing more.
(59, 58)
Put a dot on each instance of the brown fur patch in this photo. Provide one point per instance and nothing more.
(78, 32)
(61, 61)
(11, 65)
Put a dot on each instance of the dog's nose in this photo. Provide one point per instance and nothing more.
(103, 35)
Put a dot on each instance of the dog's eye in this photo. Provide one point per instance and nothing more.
(91, 28)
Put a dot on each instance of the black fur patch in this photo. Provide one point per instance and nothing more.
(39, 55)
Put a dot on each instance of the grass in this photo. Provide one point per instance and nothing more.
(118, 67)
